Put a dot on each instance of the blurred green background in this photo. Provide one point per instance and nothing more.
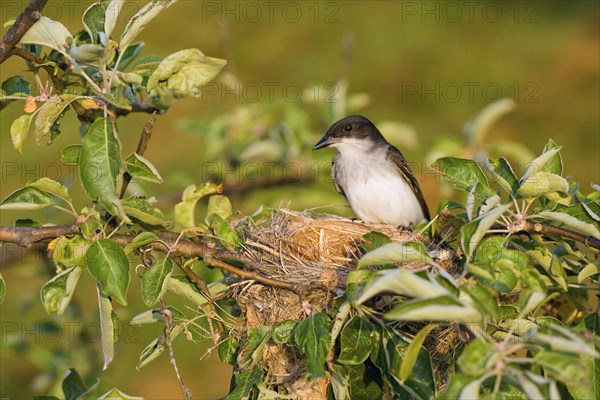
(421, 69)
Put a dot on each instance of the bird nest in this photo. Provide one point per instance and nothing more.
(315, 252)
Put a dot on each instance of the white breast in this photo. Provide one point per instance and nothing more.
(375, 190)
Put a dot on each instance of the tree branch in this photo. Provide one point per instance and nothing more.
(166, 313)
(36, 61)
(27, 236)
(540, 228)
(170, 242)
(15, 33)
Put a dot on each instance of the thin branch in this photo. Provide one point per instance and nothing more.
(27, 236)
(203, 288)
(15, 33)
(167, 332)
(214, 262)
(540, 228)
(214, 257)
(38, 62)
(141, 148)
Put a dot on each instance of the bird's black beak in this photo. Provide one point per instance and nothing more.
(324, 142)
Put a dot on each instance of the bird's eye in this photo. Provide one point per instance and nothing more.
(348, 128)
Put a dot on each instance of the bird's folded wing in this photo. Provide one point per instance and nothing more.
(395, 156)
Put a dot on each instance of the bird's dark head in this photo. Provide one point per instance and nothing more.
(354, 128)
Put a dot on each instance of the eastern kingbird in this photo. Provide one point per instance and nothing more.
(373, 175)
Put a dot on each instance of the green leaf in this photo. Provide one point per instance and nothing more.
(362, 381)
(116, 394)
(100, 166)
(184, 210)
(483, 297)
(154, 315)
(155, 280)
(27, 223)
(183, 73)
(251, 354)
(18, 131)
(27, 198)
(551, 264)
(404, 282)
(456, 383)
(506, 276)
(374, 240)
(144, 211)
(587, 271)
(539, 164)
(49, 113)
(219, 205)
(73, 386)
(312, 338)
(555, 164)
(228, 348)
(339, 385)
(481, 199)
(472, 232)
(181, 286)
(282, 332)
(412, 352)
(111, 15)
(142, 169)
(93, 20)
(543, 183)
(478, 357)
(222, 228)
(107, 328)
(356, 282)
(421, 383)
(87, 53)
(567, 345)
(56, 294)
(476, 129)
(442, 308)
(2, 288)
(16, 85)
(142, 18)
(460, 172)
(70, 154)
(471, 390)
(130, 53)
(503, 173)
(571, 222)
(244, 382)
(141, 240)
(108, 264)
(145, 66)
(48, 33)
(339, 322)
(355, 341)
(407, 252)
(51, 187)
(157, 346)
(582, 211)
(568, 368)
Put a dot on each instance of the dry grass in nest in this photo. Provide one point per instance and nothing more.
(306, 250)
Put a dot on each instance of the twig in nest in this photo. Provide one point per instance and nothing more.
(213, 262)
(187, 394)
(15, 33)
(141, 148)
